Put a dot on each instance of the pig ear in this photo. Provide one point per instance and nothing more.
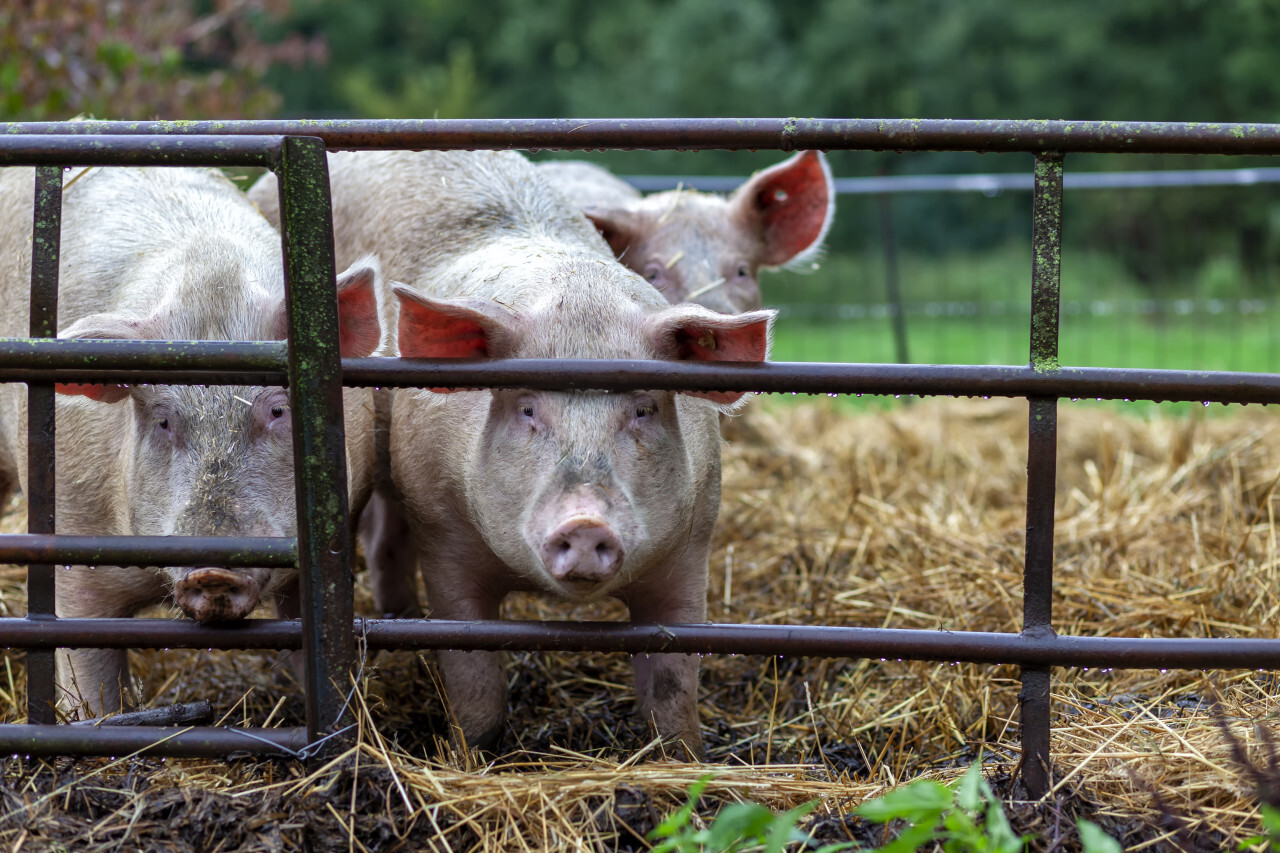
(617, 225)
(452, 328)
(693, 333)
(789, 205)
(359, 330)
(105, 327)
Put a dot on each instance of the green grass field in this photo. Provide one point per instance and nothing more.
(1200, 334)
(1192, 342)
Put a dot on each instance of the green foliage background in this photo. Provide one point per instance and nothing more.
(1138, 60)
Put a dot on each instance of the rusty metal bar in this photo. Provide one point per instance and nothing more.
(17, 149)
(160, 741)
(1104, 383)
(264, 362)
(701, 638)
(46, 241)
(1042, 460)
(786, 134)
(226, 551)
(319, 446)
(25, 358)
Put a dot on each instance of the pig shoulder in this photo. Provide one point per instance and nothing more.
(588, 185)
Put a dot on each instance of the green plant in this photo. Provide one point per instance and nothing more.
(1270, 835)
(738, 828)
(965, 817)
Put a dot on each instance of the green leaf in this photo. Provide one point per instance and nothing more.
(737, 822)
(920, 798)
(972, 790)
(911, 839)
(679, 819)
(1094, 840)
(783, 829)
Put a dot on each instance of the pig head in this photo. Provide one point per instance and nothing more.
(203, 461)
(705, 248)
(580, 494)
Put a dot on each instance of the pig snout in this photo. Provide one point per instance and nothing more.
(582, 550)
(216, 595)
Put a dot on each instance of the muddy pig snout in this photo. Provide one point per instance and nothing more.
(216, 595)
(582, 549)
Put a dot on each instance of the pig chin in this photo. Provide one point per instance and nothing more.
(209, 595)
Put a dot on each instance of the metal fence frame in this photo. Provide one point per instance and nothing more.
(309, 364)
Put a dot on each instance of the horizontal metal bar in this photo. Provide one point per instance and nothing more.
(19, 633)
(228, 551)
(986, 183)
(160, 741)
(815, 641)
(163, 149)
(786, 134)
(820, 378)
(182, 362)
(138, 354)
(175, 362)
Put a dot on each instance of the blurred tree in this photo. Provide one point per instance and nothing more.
(141, 59)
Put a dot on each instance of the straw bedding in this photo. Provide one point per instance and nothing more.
(906, 518)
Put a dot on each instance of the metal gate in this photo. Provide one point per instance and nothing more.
(309, 364)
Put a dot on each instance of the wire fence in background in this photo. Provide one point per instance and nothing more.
(1198, 333)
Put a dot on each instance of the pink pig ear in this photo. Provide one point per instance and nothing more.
(359, 330)
(790, 205)
(617, 225)
(105, 327)
(693, 333)
(452, 328)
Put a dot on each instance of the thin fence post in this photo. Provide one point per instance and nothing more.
(892, 284)
(315, 394)
(1042, 457)
(41, 498)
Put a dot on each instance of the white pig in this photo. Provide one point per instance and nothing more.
(704, 247)
(577, 494)
(166, 254)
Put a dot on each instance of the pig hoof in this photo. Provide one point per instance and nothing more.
(216, 595)
(582, 551)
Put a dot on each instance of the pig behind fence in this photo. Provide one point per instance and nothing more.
(166, 254)
(703, 247)
(578, 494)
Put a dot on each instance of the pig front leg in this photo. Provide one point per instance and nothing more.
(391, 556)
(100, 677)
(475, 685)
(667, 684)
(477, 697)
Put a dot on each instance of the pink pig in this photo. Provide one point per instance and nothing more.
(577, 494)
(703, 247)
(167, 254)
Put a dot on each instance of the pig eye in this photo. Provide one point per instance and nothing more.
(526, 410)
(653, 275)
(277, 411)
(163, 423)
(646, 409)
(743, 272)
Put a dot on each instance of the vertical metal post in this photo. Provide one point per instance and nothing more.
(315, 395)
(893, 289)
(46, 240)
(1042, 459)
